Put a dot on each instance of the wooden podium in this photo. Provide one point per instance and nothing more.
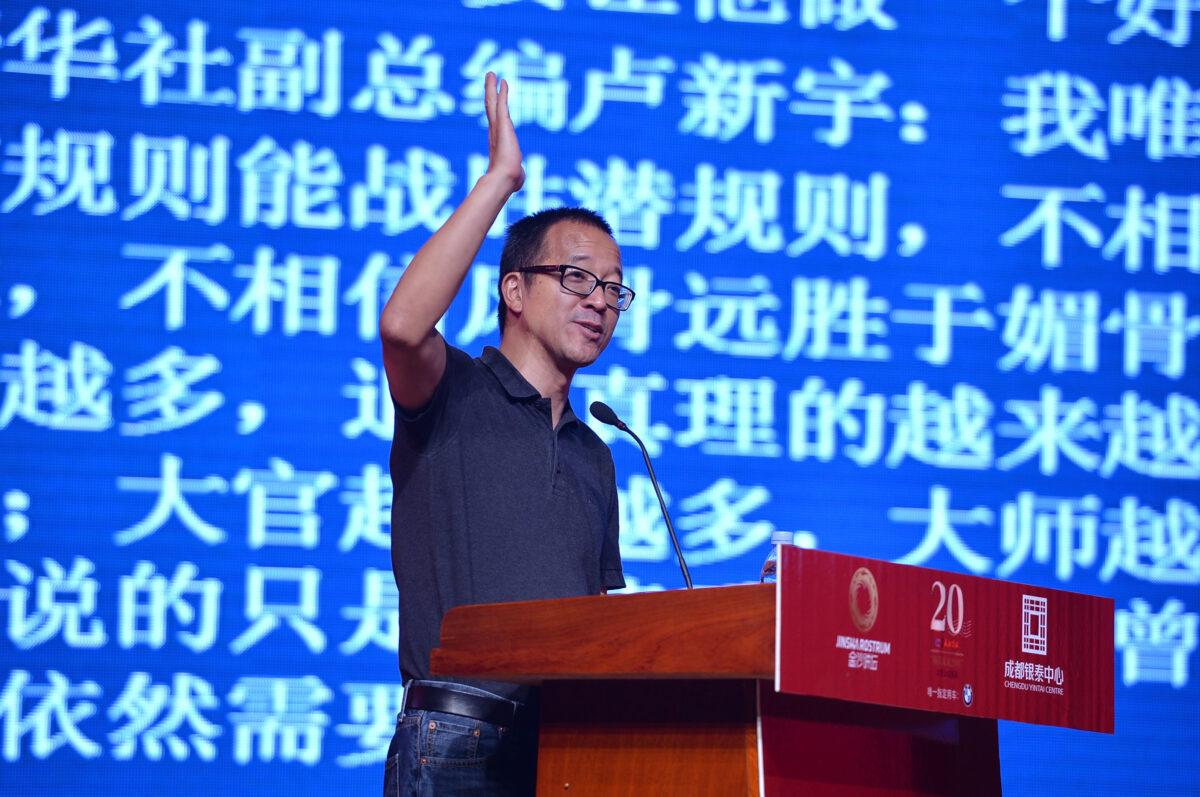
(845, 678)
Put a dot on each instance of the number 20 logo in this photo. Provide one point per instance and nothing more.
(948, 615)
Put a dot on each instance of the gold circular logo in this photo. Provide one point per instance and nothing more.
(864, 599)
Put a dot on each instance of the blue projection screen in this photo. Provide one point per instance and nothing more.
(917, 281)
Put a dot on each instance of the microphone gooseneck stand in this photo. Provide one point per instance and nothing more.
(604, 413)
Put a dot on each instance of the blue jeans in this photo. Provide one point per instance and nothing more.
(433, 754)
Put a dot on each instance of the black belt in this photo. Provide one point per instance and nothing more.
(426, 697)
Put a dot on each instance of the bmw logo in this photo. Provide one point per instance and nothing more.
(968, 694)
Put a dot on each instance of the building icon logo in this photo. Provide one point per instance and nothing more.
(1033, 624)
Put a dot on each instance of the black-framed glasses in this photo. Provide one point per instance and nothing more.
(582, 282)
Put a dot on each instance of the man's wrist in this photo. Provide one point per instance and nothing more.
(499, 182)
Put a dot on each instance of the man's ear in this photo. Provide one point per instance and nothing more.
(512, 292)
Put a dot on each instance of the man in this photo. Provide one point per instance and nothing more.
(500, 492)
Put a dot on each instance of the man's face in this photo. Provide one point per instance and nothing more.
(573, 329)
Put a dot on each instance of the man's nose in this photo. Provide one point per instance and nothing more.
(595, 300)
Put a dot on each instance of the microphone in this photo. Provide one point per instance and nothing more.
(604, 413)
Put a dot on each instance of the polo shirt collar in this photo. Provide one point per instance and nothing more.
(568, 415)
(510, 378)
(516, 385)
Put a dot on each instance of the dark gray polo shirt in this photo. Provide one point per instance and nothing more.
(492, 504)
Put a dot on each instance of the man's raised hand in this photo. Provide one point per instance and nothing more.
(504, 151)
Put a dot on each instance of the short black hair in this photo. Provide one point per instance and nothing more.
(523, 242)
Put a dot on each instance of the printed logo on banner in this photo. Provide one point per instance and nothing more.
(864, 599)
(947, 626)
(864, 609)
(1030, 676)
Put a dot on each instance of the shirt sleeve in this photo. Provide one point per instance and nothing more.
(429, 426)
(611, 574)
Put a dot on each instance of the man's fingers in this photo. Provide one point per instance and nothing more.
(504, 100)
(489, 97)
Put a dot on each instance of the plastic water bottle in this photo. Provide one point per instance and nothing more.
(771, 566)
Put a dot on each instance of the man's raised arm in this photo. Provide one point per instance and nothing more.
(414, 355)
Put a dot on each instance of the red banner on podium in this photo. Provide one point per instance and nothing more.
(875, 632)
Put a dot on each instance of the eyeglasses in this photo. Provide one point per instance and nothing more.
(582, 282)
